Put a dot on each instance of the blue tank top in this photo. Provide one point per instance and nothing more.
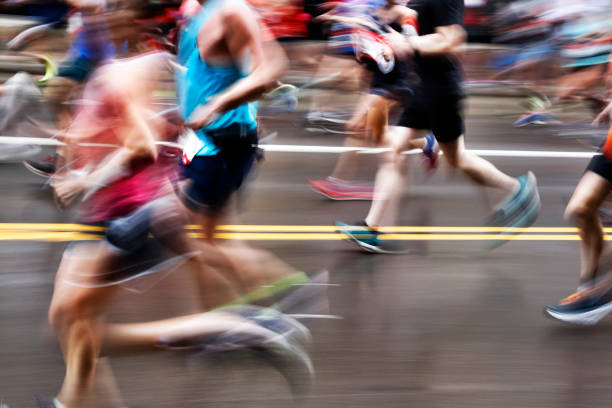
(201, 81)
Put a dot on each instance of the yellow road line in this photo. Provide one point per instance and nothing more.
(52, 236)
(63, 236)
(22, 226)
(300, 228)
(259, 236)
(53, 232)
(397, 229)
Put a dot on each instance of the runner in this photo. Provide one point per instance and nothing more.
(436, 105)
(585, 43)
(128, 191)
(91, 45)
(593, 298)
(386, 89)
(214, 93)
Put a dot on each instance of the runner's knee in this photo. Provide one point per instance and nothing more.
(579, 212)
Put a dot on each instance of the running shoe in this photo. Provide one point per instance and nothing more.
(364, 236)
(45, 168)
(42, 403)
(536, 118)
(335, 189)
(522, 207)
(277, 344)
(519, 211)
(292, 361)
(586, 306)
(273, 320)
(431, 151)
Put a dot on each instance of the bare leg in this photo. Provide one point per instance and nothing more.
(580, 81)
(187, 330)
(208, 264)
(75, 314)
(582, 208)
(391, 176)
(477, 168)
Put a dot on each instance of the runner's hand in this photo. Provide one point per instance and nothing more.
(202, 116)
(399, 44)
(605, 115)
(66, 191)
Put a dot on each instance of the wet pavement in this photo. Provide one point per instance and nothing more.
(447, 324)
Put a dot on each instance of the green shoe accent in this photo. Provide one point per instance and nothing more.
(264, 292)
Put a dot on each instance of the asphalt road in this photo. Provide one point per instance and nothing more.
(448, 324)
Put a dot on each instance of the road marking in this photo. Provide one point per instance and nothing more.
(54, 232)
(285, 148)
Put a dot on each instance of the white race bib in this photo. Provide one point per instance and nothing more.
(191, 144)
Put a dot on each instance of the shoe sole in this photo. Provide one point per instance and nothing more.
(373, 249)
(34, 170)
(537, 123)
(588, 318)
(292, 362)
(339, 198)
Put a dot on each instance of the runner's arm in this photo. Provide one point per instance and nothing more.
(138, 149)
(241, 33)
(446, 40)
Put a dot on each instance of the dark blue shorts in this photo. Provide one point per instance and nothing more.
(77, 68)
(212, 180)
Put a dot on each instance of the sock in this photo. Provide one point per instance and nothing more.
(57, 403)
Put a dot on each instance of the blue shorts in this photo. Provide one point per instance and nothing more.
(212, 180)
(77, 68)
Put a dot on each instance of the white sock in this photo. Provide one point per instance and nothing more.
(57, 403)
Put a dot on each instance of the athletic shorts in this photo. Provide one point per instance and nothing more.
(435, 110)
(211, 181)
(76, 68)
(137, 252)
(397, 84)
(601, 166)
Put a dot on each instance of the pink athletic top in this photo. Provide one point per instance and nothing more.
(105, 110)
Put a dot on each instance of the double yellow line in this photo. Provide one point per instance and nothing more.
(78, 232)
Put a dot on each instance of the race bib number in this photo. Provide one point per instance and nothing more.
(191, 144)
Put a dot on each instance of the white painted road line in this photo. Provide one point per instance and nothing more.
(285, 148)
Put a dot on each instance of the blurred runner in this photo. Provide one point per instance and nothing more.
(337, 63)
(386, 89)
(216, 93)
(127, 191)
(585, 42)
(436, 105)
(99, 30)
(593, 298)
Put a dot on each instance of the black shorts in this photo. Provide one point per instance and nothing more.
(211, 181)
(601, 166)
(397, 84)
(435, 110)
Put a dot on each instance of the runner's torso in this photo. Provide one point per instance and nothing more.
(442, 72)
(104, 109)
(203, 80)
